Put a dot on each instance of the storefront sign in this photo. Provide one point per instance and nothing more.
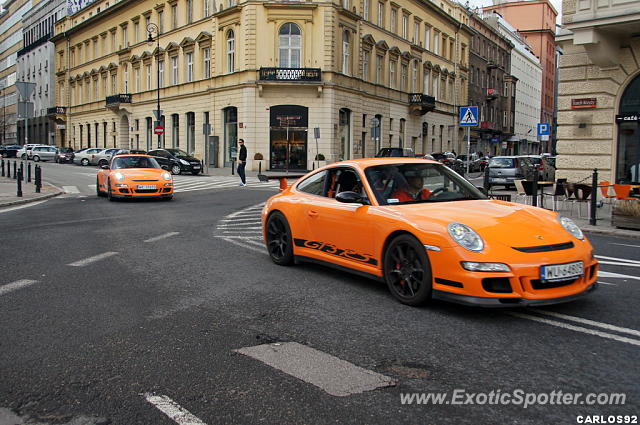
(627, 118)
(586, 103)
(289, 116)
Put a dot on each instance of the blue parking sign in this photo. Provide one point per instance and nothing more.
(544, 129)
(468, 116)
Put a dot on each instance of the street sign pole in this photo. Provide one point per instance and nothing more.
(468, 148)
(468, 118)
(316, 135)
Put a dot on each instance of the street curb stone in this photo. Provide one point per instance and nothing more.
(27, 201)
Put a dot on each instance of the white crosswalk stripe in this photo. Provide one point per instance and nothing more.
(243, 228)
(193, 183)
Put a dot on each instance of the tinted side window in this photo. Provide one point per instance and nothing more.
(314, 184)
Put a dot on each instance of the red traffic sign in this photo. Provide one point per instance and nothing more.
(158, 129)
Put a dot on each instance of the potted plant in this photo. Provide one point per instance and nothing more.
(319, 161)
(259, 163)
(626, 214)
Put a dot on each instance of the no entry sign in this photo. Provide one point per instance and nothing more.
(158, 129)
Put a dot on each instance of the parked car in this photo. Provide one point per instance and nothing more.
(84, 157)
(9, 151)
(544, 164)
(104, 157)
(504, 170)
(43, 153)
(176, 161)
(137, 152)
(23, 153)
(63, 155)
(395, 152)
(449, 159)
(483, 162)
(473, 165)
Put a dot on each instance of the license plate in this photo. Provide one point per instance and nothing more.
(196, 167)
(145, 186)
(500, 180)
(557, 272)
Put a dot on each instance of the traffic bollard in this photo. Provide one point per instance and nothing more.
(38, 178)
(15, 170)
(29, 173)
(594, 197)
(485, 181)
(3, 168)
(19, 183)
(534, 199)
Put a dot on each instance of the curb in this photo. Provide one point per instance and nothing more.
(621, 233)
(26, 201)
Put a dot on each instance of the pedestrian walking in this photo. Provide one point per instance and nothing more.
(242, 162)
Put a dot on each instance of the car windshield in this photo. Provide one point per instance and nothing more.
(134, 162)
(502, 163)
(408, 183)
(178, 153)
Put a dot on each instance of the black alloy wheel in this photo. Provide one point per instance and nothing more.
(279, 240)
(175, 169)
(407, 271)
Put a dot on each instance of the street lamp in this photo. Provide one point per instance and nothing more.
(153, 29)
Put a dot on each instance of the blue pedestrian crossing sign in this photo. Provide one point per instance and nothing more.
(544, 129)
(468, 116)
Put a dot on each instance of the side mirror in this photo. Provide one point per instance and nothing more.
(104, 167)
(349, 197)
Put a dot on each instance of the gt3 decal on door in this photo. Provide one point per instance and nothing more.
(338, 252)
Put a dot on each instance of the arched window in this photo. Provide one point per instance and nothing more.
(290, 42)
(346, 52)
(231, 51)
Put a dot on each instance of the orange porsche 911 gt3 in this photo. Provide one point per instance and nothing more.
(134, 176)
(428, 233)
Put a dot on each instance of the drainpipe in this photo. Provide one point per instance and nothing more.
(455, 87)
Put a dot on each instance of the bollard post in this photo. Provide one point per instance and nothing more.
(20, 183)
(485, 181)
(260, 167)
(15, 170)
(594, 197)
(29, 173)
(38, 178)
(534, 199)
(3, 167)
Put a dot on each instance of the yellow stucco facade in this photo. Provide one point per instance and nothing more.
(267, 72)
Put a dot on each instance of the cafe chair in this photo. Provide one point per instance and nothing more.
(557, 193)
(622, 192)
(605, 191)
(528, 191)
(520, 193)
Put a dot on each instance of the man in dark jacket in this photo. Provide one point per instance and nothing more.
(242, 162)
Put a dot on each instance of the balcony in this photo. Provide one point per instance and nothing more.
(492, 94)
(420, 104)
(56, 110)
(491, 64)
(290, 74)
(115, 100)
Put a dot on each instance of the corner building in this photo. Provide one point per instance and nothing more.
(267, 72)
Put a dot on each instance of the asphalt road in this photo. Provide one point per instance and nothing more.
(126, 310)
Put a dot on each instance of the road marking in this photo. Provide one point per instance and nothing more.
(233, 224)
(173, 410)
(588, 322)
(333, 375)
(624, 244)
(615, 263)
(623, 260)
(164, 236)
(607, 283)
(70, 189)
(4, 289)
(616, 275)
(19, 207)
(87, 261)
(235, 220)
(244, 245)
(576, 328)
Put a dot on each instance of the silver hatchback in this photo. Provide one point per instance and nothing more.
(43, 153)
(85, 157)
(104, 157)
(505, 170)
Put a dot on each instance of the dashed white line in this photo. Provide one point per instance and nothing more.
(616, 275)
(621, 260)
(173, 410)
(243, 245)
(87, 261)
(19, 207)
(588, 322)
(576, 328)
(5, 289)
(163, 236)
(625, 244)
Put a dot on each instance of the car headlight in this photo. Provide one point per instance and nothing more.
(166, 176)
(571, 227)
(465, 237)
(119, 177)
(183, 162)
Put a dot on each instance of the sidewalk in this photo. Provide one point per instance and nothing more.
(8, 192)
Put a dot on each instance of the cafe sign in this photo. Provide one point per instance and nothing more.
(627, 118)
(586, 103)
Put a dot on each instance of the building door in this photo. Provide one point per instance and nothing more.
(230, 118)
(344, 121)
(124, 132)
(628, 121)
(288, 141)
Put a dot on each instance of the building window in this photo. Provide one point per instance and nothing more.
(113, 41)
(365, 9)
(136, 32)
(114, 84)
(290, 43)
(125, 37)
(403, 125)
(345, 4)
(394, 20)
(436, 43)
(205, 8)
(175, 131)
(344, 122)
(161, 21)
(434, 91)
(174, 70)
(191, 132)
(381, 14)
(425, 82)
(161, 74)
(174, 16)
(148, 71)
(404, 69)
(452, 50)
(136, 72)
(365, 65)
(416, 33)
(414, 77)
(346, 54)
(231, 51)
(126, 79)
(189, 67)
(405, 27)
(189, 11)
(379, 62)
(206, 53)
(392, 74)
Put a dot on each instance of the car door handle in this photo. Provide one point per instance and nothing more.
(312, 213)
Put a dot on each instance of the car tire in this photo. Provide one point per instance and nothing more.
(175, 169)
(24, 156)
(407, 271)
(102, 162)
(84, 162)
(100, 193)
(110, 196)
(279, 239)
(36, 158)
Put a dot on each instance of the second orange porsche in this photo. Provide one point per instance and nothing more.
(134, 176)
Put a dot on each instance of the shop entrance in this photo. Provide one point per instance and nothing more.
(288, 141)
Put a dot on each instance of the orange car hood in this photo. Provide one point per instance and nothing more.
(497, 221)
